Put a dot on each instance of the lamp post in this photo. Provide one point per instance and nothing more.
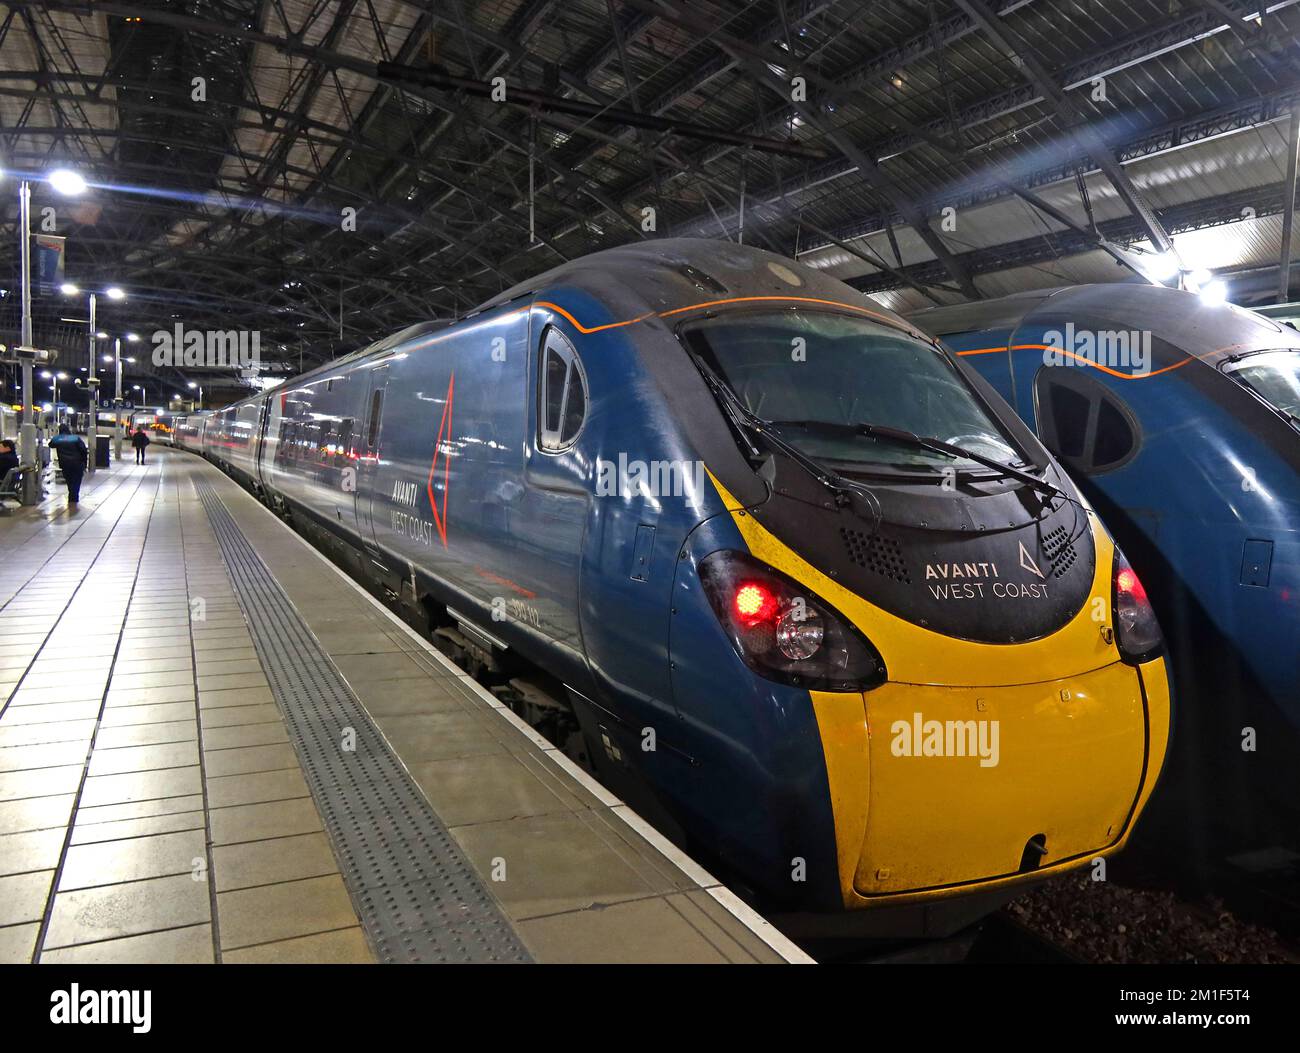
(27, 431)
(117, 402)
(92, 380)
(54, 379)
(116, 357)
(200, 387)
(69, 184)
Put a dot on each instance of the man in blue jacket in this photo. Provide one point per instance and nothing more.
(73, 456)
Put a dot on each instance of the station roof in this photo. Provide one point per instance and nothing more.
(230, 144)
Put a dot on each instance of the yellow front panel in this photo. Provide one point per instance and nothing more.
(1061, 759)
(1078, 749)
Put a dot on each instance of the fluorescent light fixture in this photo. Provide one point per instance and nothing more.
(67, 182)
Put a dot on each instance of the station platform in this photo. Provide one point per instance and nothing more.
(216, 747)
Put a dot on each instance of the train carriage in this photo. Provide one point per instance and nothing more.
(1179, 419)
(810, 593)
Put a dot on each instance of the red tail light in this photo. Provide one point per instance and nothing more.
(755, 604)
(1126, 581)
(1137, 632)
(784, 632)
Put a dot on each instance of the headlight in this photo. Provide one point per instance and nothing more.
(799, 632)
(785, 633)
(1137, 632)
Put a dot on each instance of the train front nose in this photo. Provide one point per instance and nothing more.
(936, 787)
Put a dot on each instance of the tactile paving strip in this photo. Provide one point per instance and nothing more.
(418, 897)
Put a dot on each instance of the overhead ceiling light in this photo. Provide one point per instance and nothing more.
(101, 336)
(1215, 292)
(68, 289)
(132, 338)
(67, 182)
(114, 293)
(1163, 266)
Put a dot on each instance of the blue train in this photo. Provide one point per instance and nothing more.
(798, 585)
(1179, 419)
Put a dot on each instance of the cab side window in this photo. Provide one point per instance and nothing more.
(562, 393)
(1083, 421)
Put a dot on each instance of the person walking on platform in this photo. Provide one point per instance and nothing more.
(73, 456)
(140, 440)
(8, 457)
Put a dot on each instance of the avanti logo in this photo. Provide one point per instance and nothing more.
(1027, 561)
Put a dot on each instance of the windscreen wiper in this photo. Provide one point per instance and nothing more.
(907, 438)
(748, 422)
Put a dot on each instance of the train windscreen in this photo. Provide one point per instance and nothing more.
(814, 376)
(1274, 376)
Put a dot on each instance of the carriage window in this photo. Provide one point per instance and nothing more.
(1083, 421)
(1069, 411)
(575, 410)
(1114, 436)
(376, 411)
(345, 441)
(325, 441)
(563, 395)
(555, 371)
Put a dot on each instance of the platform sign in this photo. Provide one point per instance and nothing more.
(50, 250)
(122, 404)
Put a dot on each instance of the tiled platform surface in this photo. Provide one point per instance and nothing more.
(153, 809)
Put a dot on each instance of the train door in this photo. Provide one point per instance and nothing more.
(369, 451)
(264, 420)
(557, 498)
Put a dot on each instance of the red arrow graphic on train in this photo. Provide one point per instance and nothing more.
(440, 450)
